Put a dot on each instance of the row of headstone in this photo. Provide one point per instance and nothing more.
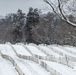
(50, 69)
(37, 58)
(61, 60)
(13, 62)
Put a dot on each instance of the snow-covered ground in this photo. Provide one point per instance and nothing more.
(62, 50)
(62, 69)
(49, 51)
(29, 67)
(21, 50)
(35, 50)
(6, 68)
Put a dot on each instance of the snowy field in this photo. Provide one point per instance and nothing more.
(31, 59)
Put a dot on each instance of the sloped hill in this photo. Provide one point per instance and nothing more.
(31, 59)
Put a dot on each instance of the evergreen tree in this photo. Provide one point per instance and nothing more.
(18, 22)
(32, 17)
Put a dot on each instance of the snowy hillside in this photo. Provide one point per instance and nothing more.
(31, 59)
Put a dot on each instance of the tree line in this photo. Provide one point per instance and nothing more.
(21, 21)
(37, 28)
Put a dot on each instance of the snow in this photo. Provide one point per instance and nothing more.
(30, 67)
(40, 69)
(23, 67)
(21, 50)
(49, 51)
(63, 51)
(23, 64)
(64, 70)
(6, 68)
(7, 49)
(35, 50)
(70, 49)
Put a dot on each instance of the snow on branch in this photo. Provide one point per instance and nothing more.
(61, 14)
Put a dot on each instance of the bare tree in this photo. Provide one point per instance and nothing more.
(59, 8)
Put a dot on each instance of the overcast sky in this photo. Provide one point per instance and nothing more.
(10, 6)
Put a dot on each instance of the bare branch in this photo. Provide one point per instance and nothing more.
(60, 15)
(69, 22)
(59, 6)
(52, 7)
